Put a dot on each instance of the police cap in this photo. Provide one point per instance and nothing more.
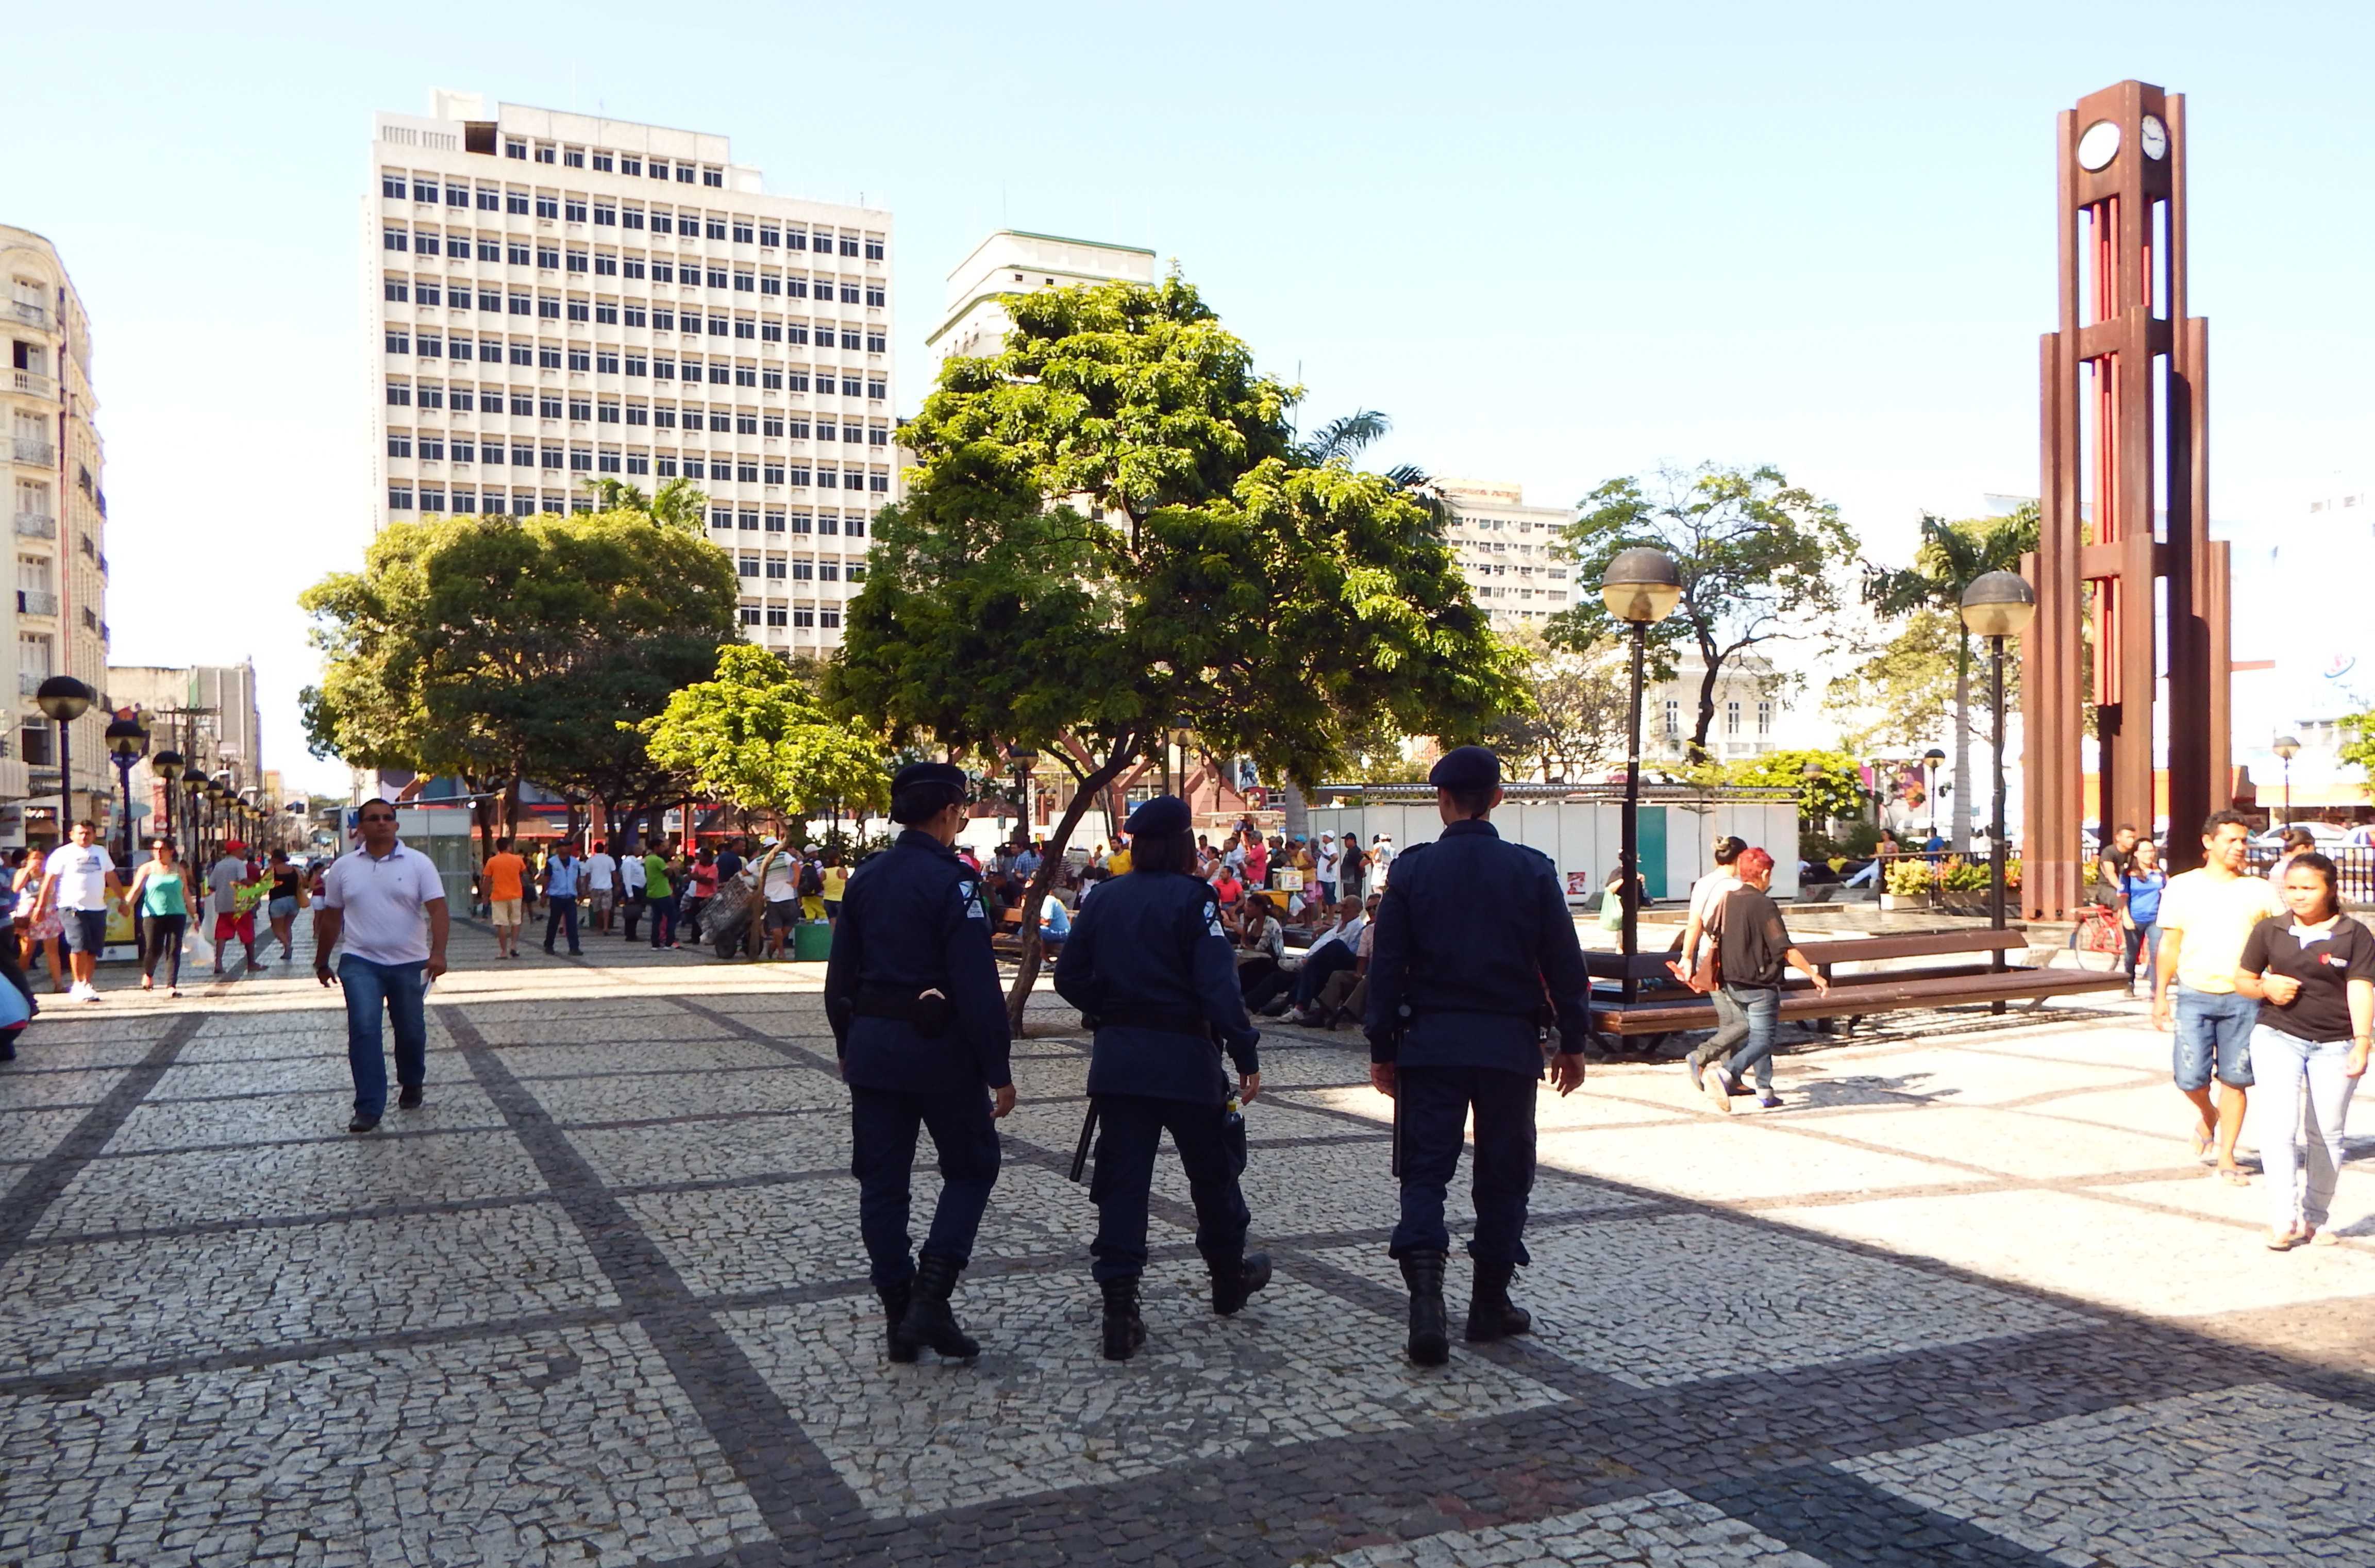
(1163, 814)
(915, 774)
(1466, 767)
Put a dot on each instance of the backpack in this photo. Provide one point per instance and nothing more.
(811, 882)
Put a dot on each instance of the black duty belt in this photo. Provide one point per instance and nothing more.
(1189, 1024)
(929, 1014)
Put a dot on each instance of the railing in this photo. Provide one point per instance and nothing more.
(28, 681)
(2354, 869)
(28, 312)
(34, 601)
(36, 525)
(40, 453)
(35, 383)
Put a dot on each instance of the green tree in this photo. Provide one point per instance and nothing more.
(1759, 558)
(2357, 748)
(497, 649)
(754, 736)
(1832, 791)
(1579, 705)
(1951, 557)
(1111, 533)
(680, 503)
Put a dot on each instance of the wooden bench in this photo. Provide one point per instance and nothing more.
(1861, 995)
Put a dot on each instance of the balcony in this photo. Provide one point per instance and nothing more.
(35, 383)
(33, 601)
(39, 453)
(25, 311)
(36, 525)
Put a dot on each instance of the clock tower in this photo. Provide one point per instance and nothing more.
(2131, 593)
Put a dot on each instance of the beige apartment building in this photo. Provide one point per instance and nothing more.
(59, 505)
(556, 298)
(1509, 552)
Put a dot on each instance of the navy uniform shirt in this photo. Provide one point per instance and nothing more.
(1150, 942)
(912, 921)
(1474, 939)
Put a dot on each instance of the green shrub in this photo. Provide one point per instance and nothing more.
(1908, 878)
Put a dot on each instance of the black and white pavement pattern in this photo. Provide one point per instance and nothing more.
(1966, 1299)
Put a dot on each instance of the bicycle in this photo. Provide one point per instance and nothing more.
(2096, 930)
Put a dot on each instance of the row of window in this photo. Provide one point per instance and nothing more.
(722, 421)
(398, 338)
(459, 246)
(749, 520)
(825, 620)
(609, 163)
(721, 468)
(461, 502)
(602, 214)
(801, 571)
(766, 378)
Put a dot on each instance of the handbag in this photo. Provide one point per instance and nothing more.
(1706, 976)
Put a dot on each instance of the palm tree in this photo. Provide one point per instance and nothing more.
(1348, 437)
(1951, 557)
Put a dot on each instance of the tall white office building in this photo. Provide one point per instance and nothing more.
(556, 298)
(1013, 261)
(1508, 551)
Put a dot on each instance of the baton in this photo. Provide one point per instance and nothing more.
(1088, 1131)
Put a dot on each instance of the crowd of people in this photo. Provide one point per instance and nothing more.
(675, 886)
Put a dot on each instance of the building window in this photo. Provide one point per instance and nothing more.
(828, 621)
(849, 245)
(398, 342)
(394, 240)
(877, 343)
(433, 449)
(575, 157)
(849, 295)
(395, 291)
(489, 199)
(749, 615)
(580, 409)
(602, 161)
(775, 615)
(716, 228)
(1765, 718)
(803, 618)
(714, 177)
(400, 498)
(771, 378)
(547, 206)
(399, 395)
(639, 463)
(774, 522)
(516, 203)
(516, 150)
(742, 235)
(721, 517)
(804, 570)
(797, 238)
(632, 218)
(579, 309)
(873, 250)
(769, 237)
(399, 445)
(544, 153)
(857, 573)
(579, 262)
(1732, 719)
(874, 295)
(879, 483)
(391, 186)
(854, 528)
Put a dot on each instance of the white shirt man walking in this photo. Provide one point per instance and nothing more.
(388, 905)
(79, 881)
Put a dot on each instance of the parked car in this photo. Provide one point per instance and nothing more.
(2329, 836)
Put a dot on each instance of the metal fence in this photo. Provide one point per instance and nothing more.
(2353, 867)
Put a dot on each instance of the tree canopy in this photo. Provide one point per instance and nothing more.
(1760, 558)
(1110, 532)
(1579, 704)
(754, 736)
(495, 648)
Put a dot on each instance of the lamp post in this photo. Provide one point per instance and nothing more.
(1932, 760)
(127, 737)
(167, 765)
(2287, 748)
(64, 699)
(1996, 605)
(1640, 588)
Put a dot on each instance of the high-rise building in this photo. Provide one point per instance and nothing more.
(557, 298)
(56, 470)
(1509, 552)
(1012, 261)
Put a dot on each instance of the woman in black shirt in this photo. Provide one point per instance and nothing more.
(1753, 947)
(2314, 974)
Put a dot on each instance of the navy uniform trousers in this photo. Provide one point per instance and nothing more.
(1129, 1129)
(883, 1124)
(1434, 1104)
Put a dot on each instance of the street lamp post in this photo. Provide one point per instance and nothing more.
(64, 699)
(1640, 588)
(127, 737)
(1996, 605)
(2287, 748)
(167, 765)
(1932, 760)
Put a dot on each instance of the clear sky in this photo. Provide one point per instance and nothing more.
(1556, 243)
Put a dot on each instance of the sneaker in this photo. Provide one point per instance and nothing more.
(1769, 1100)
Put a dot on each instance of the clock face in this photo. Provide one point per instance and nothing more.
(2154, 138)
(2099, 145)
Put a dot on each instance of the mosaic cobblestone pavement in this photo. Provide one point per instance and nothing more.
(1967, 1298)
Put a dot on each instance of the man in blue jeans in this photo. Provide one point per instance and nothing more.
(388, 904)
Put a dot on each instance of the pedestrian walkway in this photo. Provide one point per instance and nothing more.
(602, 1299)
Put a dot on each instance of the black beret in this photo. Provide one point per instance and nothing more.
(915, 774)
(1163, 814)
(1467, 767)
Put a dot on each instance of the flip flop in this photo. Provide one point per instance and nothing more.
(2323, 1239)
(2285, 1243)
(2234, 1175)
(2202, 1139)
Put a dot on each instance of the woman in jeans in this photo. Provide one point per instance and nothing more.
(2314, 973)
(160, 891)
(1753, 947)
(2140, 887)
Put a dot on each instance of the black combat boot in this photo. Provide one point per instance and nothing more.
(928, 1320)
(895, 1313)
(1235, 1278)
(1125, 1330)
(1430, 1333)
(1491, 1314)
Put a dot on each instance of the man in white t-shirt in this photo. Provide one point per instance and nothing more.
(779, 886)
(602, 883)
(78, 880)
(388, 904)
(1381, 857)
(1324, 865)
(631, 888)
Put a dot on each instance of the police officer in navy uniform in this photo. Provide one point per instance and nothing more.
(1148, 962)
(920, 1027)
(1475, 952)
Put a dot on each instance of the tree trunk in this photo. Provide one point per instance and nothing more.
(1027, 971)
(1699, 753)
(1959, 841)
